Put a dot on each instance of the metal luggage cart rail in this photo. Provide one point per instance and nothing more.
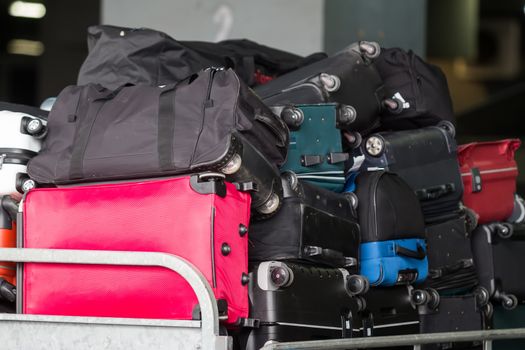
(37, 332)
(82, 333)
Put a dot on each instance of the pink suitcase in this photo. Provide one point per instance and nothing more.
(203, 222)
(489, 174)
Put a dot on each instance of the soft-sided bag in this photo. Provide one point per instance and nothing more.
(393, 248)
(489, 172)
(119, 56)
(189, 216)
(417, 91)
(211, 121)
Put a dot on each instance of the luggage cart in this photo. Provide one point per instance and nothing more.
(37, 332)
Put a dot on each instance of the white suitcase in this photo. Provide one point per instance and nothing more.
(21, 131)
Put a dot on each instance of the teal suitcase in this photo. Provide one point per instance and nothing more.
(317, 144)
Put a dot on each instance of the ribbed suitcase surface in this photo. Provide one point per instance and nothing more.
(168, 215)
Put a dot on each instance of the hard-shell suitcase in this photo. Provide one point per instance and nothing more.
(393, 248)
(489, 173)
(199, 218)
(455, 314)
(426, 159)
(314, 225)
(290, 302)
(450, 259)
(390, 311)
(348, 77)
(21, 128)
(119, 56)
(318, 151)
(417, 91)
(209, 122)
(498, 256)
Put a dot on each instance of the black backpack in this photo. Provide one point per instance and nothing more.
(418, 91)
(119, 56)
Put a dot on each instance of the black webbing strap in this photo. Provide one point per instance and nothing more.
(166, 127)
(86, 114)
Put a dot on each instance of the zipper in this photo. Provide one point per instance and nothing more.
(492, 171)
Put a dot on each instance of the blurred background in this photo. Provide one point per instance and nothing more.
(477, 43)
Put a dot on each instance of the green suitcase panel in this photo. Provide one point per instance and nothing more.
(316, 152)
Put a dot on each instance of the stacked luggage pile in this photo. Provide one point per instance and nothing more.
(330, 201)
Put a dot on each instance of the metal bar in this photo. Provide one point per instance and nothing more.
(400, 340)
(203, 291)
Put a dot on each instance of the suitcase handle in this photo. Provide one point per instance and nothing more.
(435, 192)
(418, 254)
(331, 256)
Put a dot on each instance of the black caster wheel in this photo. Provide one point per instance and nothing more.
(504, 230)
(375, 146)
(352, 197)
(393, 105)
(471, 219)
(370, 49)
(293, 117)
(448, 126)
(509, 301)
(357, 284)
(482, 296)
(291, 178)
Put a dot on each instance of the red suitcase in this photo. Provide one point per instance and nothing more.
(202, 221)
(489, 173)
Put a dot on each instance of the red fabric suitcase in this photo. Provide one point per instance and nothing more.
(168, 215)
(489, 174)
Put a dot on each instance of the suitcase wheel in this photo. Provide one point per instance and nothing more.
(293, 117)
(504, 230)
(34, 127)
(370, 49)
(482, 296)
(331, 83)
(281, 276)
(354, 139)
(291, 178)
(393, 105)
(352, 197)
(232, 166)
(508, 301)
(448, 126)
(471, 219)
(271, 205)
(24, 183)
(375, 146)
(357, 284)
(348, 115)
(428, 297)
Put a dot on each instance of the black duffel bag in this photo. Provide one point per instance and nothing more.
(119, 56)
(210, 121)
(417, 90)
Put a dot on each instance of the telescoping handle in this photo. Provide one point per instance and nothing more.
(211, 338)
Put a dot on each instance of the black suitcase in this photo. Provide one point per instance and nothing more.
(426, 159)
(313, 224)
(208, 122)
(499, 251)
(390, 311)
(455, 314)
(291, 302)
(348, 77)
(417, 91)
(393, 247)
(450, 259)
